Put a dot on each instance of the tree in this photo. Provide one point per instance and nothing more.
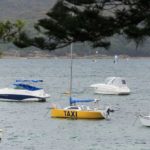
(133, 19)
(93, 21)
(9, 30)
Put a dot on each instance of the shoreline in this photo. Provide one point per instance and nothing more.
(77, 57)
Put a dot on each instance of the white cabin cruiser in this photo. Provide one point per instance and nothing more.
(23, 91)
(112, 85)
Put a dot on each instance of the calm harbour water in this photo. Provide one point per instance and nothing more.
(28, 126)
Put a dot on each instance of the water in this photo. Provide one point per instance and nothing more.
(28, 126)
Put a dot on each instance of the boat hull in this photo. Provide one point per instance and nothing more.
(8, 94)
(110, 90)
(11, 97)
(76, 114)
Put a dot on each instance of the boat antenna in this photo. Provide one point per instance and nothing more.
(71, 63)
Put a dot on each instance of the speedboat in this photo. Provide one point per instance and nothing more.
(81, 111)
(145, 120)
(112, 85)
(24, 91)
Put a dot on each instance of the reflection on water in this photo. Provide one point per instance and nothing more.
(28, 126)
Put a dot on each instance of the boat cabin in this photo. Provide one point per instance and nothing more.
(118, 81)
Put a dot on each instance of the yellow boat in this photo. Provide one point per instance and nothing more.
(80, 112)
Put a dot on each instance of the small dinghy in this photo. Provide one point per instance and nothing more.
(145, 120)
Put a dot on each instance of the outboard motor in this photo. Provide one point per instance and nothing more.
(108, 110)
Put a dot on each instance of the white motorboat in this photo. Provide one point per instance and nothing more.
(23, 91)
(145, 120)
(112, 85)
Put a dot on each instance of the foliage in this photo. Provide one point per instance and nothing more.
(9, 31)
(93, 21)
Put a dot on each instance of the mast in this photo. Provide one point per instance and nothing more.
(71, 63)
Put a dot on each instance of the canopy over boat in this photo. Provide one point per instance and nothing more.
(27, 87)
(115, 81)
(27, 84)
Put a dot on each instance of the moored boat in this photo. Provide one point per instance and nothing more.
(80, 111)
(112, 85)
(23, 91)
(145, 120)
(75, 111)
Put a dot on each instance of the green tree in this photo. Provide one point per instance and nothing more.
(93, 21)
(9, 30)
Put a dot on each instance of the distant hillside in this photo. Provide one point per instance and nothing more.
(29, 11)
(32, 10)
(24, 9)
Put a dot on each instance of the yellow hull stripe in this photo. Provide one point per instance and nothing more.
(76, 114)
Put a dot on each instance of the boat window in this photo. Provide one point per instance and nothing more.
(73, 107)
(123, 82)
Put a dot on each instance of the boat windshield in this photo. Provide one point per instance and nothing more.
(73, 107)
(109, 80)
(115, 81)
